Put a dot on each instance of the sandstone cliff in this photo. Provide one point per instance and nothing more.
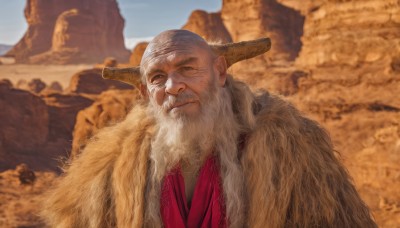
(23, 126)
(351, 82)
(349, 32)
(208, 25)
(109, 108)
(90, 82)
(71, 31)
(250, 19)
(137, 53)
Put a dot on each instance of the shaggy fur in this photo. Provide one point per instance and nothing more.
(291, 176)
(222, 139)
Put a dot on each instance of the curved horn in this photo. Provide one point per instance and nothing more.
(130, 75)
(235, 52)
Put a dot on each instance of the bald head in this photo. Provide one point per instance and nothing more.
(173, 40)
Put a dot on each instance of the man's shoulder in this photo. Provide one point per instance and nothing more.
(274, 109)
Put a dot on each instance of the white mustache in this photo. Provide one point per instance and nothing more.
(172, 101)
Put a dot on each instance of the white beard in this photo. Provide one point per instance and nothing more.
(192, 139)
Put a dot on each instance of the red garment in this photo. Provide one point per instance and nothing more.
(207, 207)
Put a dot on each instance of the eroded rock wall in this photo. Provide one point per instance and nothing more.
(71, 31)
(349, 32)
(251, 19)
(209, 26)
(351, 82)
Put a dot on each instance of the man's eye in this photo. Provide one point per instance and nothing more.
(156, 78)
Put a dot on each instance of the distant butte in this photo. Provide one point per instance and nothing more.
(73, 31)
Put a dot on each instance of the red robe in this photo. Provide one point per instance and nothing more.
(207, 208)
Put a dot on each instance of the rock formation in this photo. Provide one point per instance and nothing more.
(251, 19)
(137, 53)
(55, 86)
(91, 82)
(71, 31)
(26, 176)
(208, 25)
(350, 59)
(349, 32)
(20, 204)
(62, 111)
(347, 51)
(36, 85)
(109, 108)
(23, 125)
(110, 62)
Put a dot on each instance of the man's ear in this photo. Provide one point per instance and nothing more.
(221, 68)
(143, 91)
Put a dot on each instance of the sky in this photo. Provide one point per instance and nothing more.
(143, 18)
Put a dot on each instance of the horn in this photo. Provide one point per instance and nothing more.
(235, 52)
(130, 75)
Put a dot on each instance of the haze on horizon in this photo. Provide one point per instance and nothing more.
(143, 19)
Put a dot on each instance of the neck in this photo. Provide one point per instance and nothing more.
(189, 173)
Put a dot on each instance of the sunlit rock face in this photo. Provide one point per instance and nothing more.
(349, 32)
(137, 53)
(350, 57)
(71, 32)
(109, 108)
(250, 19)
(209, 26)
(90, 82)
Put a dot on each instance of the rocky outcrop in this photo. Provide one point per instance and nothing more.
(71, 31)
(55, 86)
(208, 25)
(137, 53)
(91, 82)
(251, 19)
(37, 86)
(35, 128)
(62, 111)
(109, 108)
(24, 123)
(351, 81)
(349, 32)
(349, 47)
(20, 204)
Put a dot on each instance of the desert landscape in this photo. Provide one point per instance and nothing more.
(337, 61)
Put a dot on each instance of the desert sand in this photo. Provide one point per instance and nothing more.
(47, 73)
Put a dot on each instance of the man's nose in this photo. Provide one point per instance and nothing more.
(174, 85)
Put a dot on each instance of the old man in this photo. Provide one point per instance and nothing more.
(201, 150)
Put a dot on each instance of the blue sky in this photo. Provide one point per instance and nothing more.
(143, 18)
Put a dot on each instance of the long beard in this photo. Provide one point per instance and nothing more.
(191, 140)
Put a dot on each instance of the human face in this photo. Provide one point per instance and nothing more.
(179, 79)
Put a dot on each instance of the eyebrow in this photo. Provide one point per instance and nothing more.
(186, 61)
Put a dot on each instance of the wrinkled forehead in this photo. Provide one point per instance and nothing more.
(174, 44)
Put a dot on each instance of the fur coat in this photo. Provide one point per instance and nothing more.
(292, 176)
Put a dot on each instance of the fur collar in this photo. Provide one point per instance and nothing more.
(292, 177)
